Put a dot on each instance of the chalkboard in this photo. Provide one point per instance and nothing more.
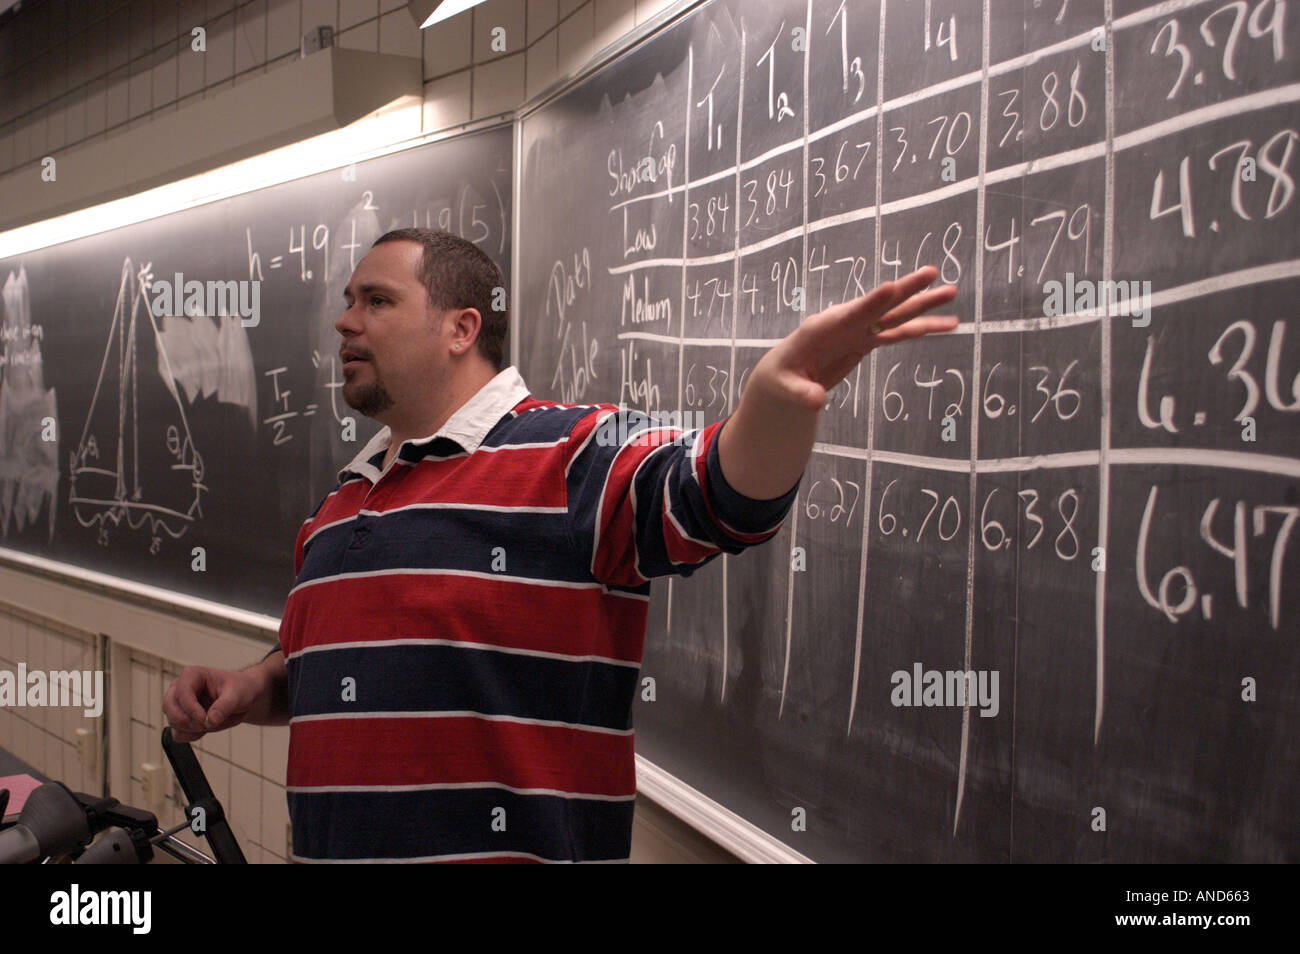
(1091, 500)
(183, 447)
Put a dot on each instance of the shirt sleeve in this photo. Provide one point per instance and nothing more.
(645, 500)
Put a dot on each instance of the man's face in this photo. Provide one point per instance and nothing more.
(391, 337)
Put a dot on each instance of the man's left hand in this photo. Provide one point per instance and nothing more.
(823, 350)
(765, 445)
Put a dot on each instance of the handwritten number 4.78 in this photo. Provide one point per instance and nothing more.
(1281, 191)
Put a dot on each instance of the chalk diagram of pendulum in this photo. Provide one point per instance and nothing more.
(106, 490)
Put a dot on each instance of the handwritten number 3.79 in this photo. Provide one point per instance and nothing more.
(1265, 20)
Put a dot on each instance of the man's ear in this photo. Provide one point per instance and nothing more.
(465, 328)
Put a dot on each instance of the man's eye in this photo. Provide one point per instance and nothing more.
(375, 299)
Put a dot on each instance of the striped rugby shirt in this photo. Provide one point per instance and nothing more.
(464, 636)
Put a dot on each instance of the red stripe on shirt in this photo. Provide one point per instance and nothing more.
(492, 611)
(511, 477)
(456, 749)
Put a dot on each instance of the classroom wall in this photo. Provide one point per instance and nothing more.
(73, 74)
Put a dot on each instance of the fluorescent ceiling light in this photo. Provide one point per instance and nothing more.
(428, 12)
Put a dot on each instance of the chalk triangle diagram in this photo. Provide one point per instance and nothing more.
(128, 470)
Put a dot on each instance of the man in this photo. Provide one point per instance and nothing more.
(460, 650)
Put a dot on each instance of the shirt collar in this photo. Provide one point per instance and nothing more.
(467, 426)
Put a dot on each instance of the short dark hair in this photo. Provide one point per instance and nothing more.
(458, 274)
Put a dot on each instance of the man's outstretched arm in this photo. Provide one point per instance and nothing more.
(766, 443)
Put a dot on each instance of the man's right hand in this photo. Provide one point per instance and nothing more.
(203, 700)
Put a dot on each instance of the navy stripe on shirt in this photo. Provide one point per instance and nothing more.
(420, 677)
(456, 822)
(446, 539)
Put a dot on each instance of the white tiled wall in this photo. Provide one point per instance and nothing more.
(73, 72)
(45, 737)
(245, 766)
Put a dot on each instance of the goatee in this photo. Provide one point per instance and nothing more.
(370, 400)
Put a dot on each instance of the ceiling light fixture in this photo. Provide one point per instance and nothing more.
(428, 12)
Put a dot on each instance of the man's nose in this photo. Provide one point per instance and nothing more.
(349, 322)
